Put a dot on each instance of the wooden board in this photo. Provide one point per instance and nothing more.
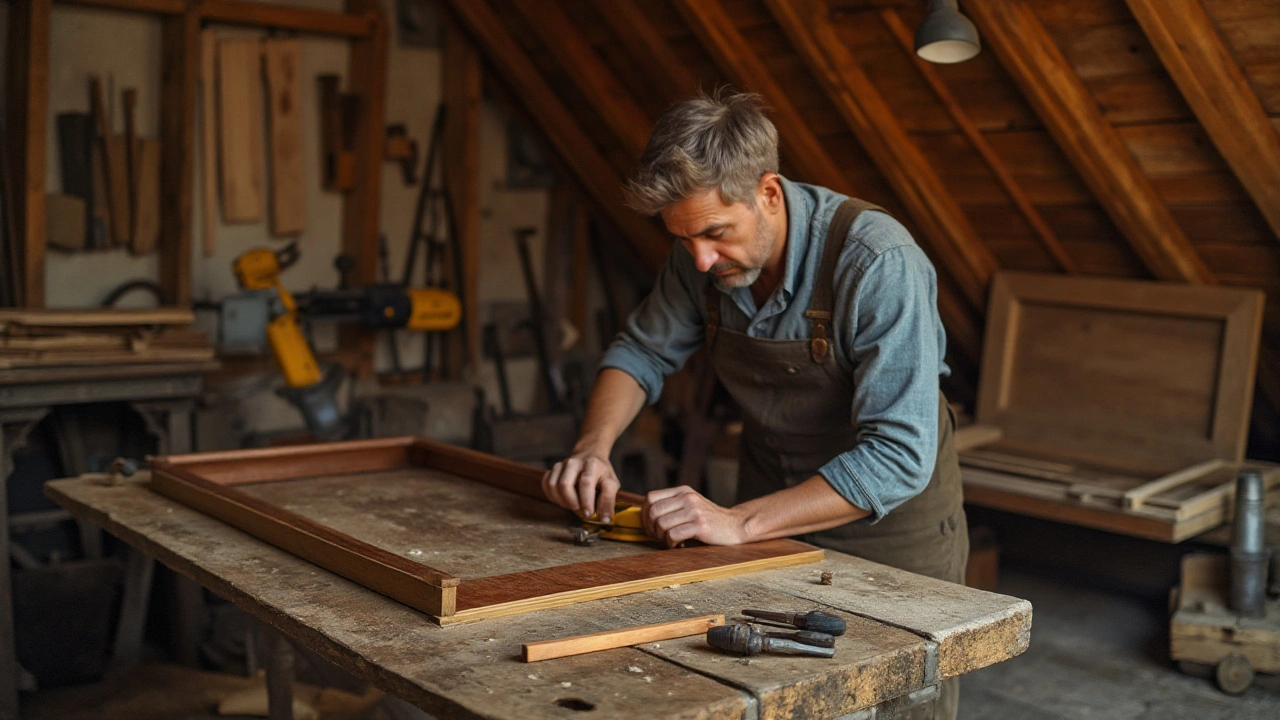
(283, 59)
(97, 318)
(208, 140)
(418, 499)
(240, 129)
(146, 230)
(1132, 377)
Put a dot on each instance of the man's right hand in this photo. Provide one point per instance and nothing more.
(584, 482)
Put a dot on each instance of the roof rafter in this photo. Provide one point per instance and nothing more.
(932, 207)
(593, 173)
(571, 50)
(1218, 92)
(1062, 102)
(646, 45)
(733, 54)
(979, 142)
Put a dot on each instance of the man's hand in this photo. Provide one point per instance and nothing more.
(681, 513)
(574, 482)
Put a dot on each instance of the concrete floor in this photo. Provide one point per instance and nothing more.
(1101, 655)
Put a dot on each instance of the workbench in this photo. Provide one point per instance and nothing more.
(906, 632)
(164, 395)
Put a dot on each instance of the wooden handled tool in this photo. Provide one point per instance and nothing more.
(564, 647)
(130, 98)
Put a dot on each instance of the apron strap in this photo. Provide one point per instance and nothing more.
(713, 312)
(820, 306)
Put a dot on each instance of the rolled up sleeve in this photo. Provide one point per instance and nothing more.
(664, 330)
(892, 339)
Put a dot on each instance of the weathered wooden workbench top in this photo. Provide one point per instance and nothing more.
(905, 632)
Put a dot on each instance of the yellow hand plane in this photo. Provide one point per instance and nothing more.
(625, 525)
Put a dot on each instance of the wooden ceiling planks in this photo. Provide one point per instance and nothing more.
(718, 33)
(1219, 93)
(559, 127)
(1032, 58)
(944, 225)
(1137, 190)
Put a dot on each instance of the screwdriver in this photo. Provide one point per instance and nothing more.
(743, 640)
(815, 620)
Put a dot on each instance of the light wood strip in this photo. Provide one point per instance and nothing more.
(609, 639)
(1051, 85)
(1136, 497)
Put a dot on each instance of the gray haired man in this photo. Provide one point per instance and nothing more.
(819, 314)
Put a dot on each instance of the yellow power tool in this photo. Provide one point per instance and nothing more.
(373, 306)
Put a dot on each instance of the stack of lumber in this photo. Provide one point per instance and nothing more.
(49, 338)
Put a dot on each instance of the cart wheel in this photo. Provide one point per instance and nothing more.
(1234, 674)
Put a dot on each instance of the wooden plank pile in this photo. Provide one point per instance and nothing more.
(49, 338)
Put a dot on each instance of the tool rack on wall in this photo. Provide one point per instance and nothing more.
(363, 24)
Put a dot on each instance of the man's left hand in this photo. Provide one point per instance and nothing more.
(681, 513)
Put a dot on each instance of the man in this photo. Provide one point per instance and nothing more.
(819, 314)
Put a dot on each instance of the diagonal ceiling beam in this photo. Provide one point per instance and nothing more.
(1218, 92)
(646, 45)
(626, 121)
(590, 169)
(979, 142)
(715, 28)
(934, 210)
(1062, 102)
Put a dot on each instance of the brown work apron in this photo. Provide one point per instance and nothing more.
(797, 403)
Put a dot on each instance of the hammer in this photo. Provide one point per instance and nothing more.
(743, 640)
(815, 620)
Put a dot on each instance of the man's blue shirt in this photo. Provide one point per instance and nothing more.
(887, 334)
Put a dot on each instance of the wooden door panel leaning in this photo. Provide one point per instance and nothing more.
(460, 502)
(1120, 405)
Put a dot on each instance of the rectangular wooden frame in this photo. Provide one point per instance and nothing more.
(206, 482)
(1239, 310)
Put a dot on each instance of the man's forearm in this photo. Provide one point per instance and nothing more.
(615, 401)
(811, 506)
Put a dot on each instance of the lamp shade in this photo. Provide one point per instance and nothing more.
(946, 36)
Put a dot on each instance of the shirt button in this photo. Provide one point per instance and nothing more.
(792, 370)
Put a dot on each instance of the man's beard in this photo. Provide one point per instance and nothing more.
(761, 247)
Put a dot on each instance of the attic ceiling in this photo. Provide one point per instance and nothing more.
(1119, 138)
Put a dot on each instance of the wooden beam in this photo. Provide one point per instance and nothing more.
(26, 132)
(353, 23)
(256, 14)
(592, 172)
(626, 121)
(1218, 92)
(1051, 85)
(715, 28)
(179, 72)
(932, 207)
(463, 93)
(979, 142)
(362, 206)
(647, 46)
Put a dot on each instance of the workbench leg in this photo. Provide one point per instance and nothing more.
(279, 673)
(139, 568)
(188, 627)
(8, 654)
